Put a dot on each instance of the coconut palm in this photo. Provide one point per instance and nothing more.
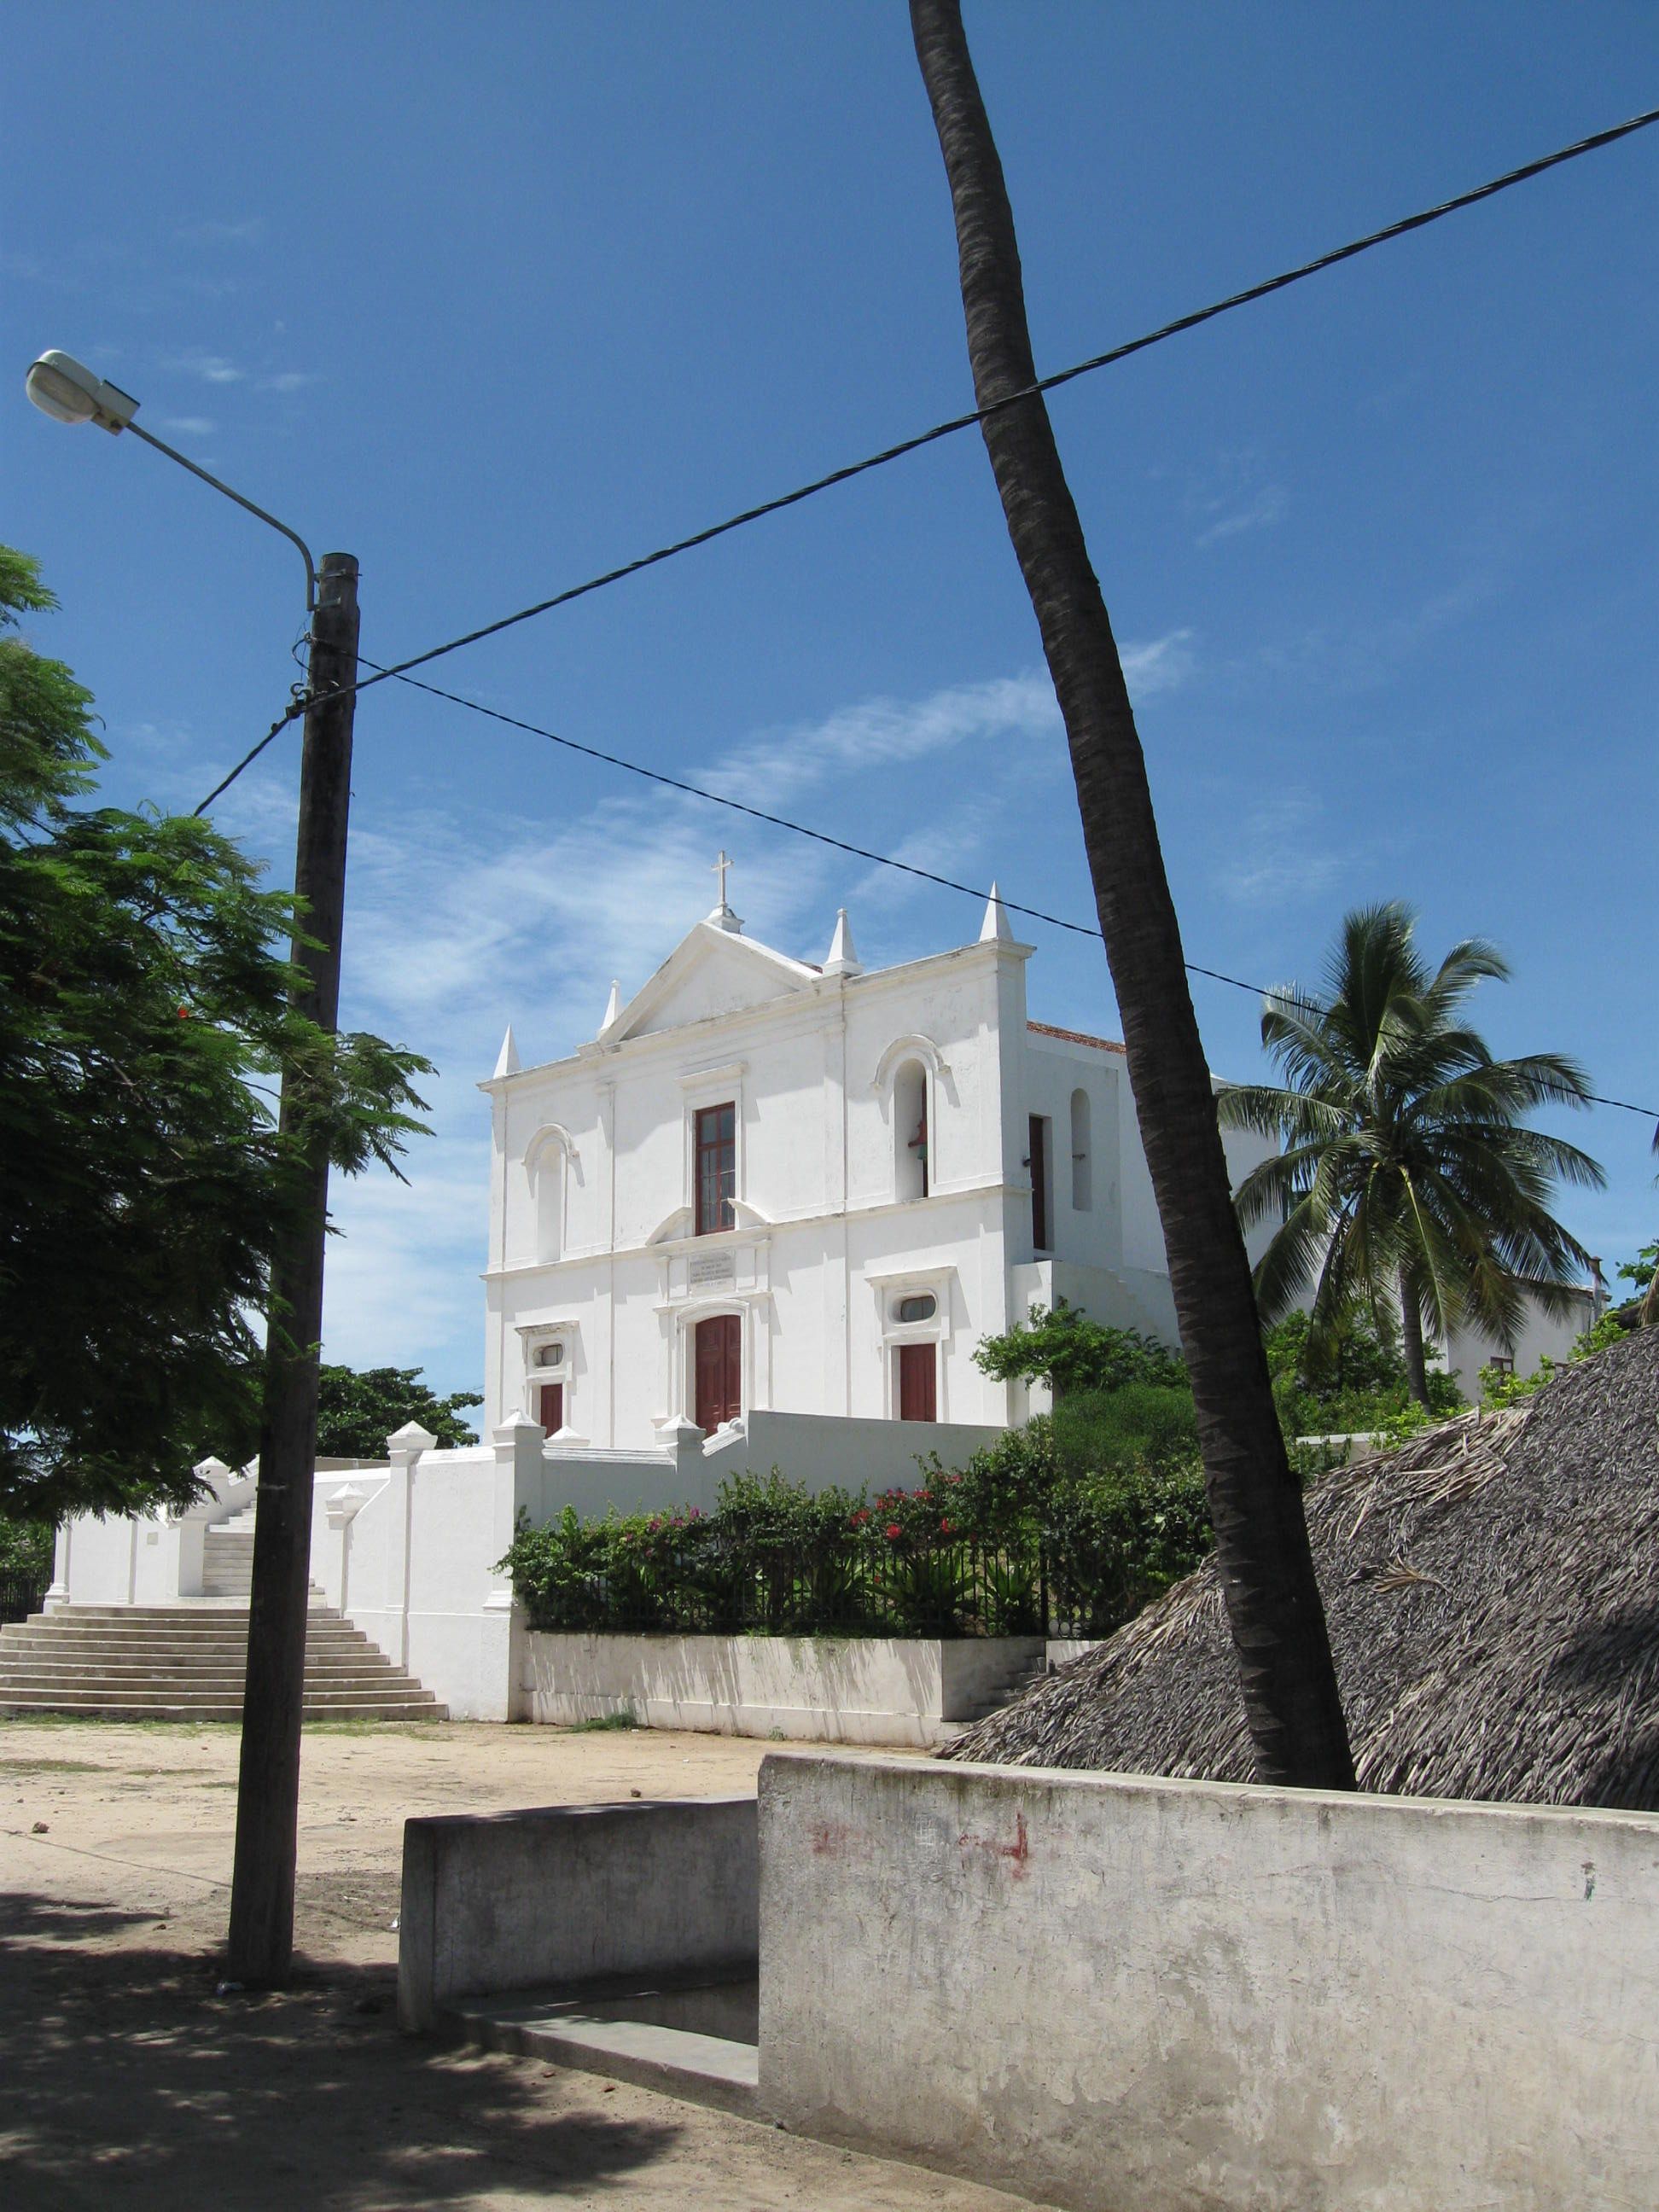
(1273, 1606)
(1408, 1182)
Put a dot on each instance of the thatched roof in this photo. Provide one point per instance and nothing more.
(1493, 1590)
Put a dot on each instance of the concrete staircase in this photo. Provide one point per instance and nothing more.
(186, 1662)
(228, 1557)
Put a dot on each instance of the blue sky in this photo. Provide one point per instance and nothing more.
(495, 296)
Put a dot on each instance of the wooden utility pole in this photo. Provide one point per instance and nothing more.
(268, 1794)
(1273, 1607)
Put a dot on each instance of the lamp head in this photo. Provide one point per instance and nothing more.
(69, 392)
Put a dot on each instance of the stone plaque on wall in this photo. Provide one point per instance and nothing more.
(711, 1270)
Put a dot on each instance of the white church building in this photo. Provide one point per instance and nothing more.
(769, 1185)
(762, 1219)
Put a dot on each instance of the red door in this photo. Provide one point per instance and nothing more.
(719, 1370)
(552, 1406)
(918, 1382)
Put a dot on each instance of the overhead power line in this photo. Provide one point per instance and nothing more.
(861, 852)
(956, 422)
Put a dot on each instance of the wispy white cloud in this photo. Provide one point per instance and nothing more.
(189, 426)
(886, 732)
(286, 380)
(1268, 506)
(1162, 663)
(211, 368)
(1281, 854)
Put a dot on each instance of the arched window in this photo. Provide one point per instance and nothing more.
(1082, 1165)
(911, 1137)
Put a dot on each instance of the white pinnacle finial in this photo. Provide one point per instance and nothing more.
(506, 1061)
(844, 960)
(994, 929)
(612, 1007)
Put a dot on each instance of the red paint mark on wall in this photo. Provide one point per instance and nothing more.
(834, 1839)
(1017, 1854)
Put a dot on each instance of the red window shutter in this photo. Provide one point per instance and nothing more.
(552, 1414)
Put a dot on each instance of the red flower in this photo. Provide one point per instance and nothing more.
(946, 1529)
(894, 1532)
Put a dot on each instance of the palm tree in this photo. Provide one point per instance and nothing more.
(1273, 1606)
(1406, 1182)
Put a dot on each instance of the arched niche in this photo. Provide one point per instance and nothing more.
(1082, 1166)
(552, 1164)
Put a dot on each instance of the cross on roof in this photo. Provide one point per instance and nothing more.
(719, 869)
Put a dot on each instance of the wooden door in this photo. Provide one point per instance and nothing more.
(918, 1382)
(552, 1412)
(719, 1361)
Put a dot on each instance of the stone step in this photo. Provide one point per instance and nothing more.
(189, 1609)
(125, 1708)
(94, 1648)
(235, 1631)
(22, 1674)
(640, 2040)
(189, 1662)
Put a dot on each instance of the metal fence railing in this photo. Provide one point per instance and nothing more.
(20, 1596)
(783, 1588)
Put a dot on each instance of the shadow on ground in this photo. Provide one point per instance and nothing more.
(126, 2079)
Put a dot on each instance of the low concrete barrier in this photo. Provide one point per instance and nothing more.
(1102, 1990)
(573, 1894)
(814, 1688)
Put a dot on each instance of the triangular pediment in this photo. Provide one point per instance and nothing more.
(711, 972)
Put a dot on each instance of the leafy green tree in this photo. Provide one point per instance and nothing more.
(1065, 1349)
(356, 1412)
(1408, 1177)
(26, 1548)
(144, 1018)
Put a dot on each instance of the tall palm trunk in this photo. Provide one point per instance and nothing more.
(1410, 1342)
(1278, 1622)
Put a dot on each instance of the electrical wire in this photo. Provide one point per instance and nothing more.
(1278, 993)
(956, 422)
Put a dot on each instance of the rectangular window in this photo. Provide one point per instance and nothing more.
(716, 1168)
(1039, 1147)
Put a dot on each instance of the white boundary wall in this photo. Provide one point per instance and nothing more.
(1105, 1991)
(407, 1550)
(814, 1688)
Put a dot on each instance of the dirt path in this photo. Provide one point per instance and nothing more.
(126, 2079)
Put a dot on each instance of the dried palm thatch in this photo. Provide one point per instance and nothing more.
(1493, 1590)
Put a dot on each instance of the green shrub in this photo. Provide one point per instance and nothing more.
(26, 1550)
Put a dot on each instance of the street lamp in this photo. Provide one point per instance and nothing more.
(268, 1790)
(69, 392)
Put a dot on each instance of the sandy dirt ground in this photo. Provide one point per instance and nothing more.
(129, 2078)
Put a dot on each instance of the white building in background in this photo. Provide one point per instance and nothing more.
(767, 1185)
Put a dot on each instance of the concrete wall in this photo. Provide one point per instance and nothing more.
(1106, 1992)
(516, 1901)
(821, 1689)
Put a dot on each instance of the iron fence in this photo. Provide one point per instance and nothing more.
(716, 1586)
(20, 1596)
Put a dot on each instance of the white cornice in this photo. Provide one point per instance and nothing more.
(935, 1201)
(800, 1005)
